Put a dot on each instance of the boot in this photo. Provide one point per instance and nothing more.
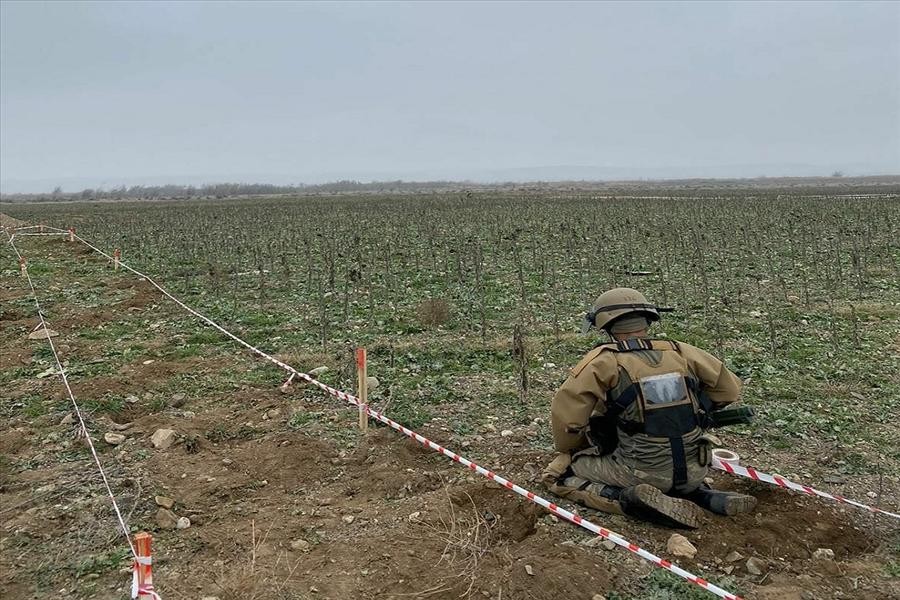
(647, 503)
(598, 496)
(721, 503)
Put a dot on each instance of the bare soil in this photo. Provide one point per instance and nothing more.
(313, 510)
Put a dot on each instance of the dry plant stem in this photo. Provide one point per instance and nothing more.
(466, 541)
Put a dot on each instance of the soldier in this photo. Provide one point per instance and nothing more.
(631, 421)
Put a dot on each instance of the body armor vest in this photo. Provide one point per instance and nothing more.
(657, 396)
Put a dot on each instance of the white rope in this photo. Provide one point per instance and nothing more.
(84, 429)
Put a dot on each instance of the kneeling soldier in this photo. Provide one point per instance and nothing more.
(631, 421)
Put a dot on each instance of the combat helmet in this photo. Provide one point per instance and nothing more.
(617, 303)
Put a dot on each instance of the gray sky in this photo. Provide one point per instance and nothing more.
(108, 93)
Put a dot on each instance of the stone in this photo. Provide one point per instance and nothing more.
(756, 566)
(348, 519)
(67, 420)
(166, 519)
(132, 399)
(598, 597)
(372, 382)
(506, 433)
(608, 545)
(414, 516)
(178, 400)
(824, 554)
(183, 523)
(300, 545)
(113, 439)
(273, 413)
(164, 501)
(529, 569)
(678, 545)
(163, 438)
(733, 556)
(42, 334)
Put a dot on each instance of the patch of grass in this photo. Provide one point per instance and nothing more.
(10, 375)
(206, 337)
(34, 406)
(892, 568)
(662, 585)
(100, 563)
(410, 413)
(159, 403)
(43, 353)
(300, 419)
(185, 351)
(108, 404)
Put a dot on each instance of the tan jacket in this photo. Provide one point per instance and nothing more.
(584, 393)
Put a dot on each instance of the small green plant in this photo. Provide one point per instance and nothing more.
(109, 404)
(892, 568)
(34, 407)
(192, 444)
(100, 563)
(662, 585)
(300, 419)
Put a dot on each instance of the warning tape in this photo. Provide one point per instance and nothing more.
(751, 473)
(531, 496)
(87, 436)
(31, 234)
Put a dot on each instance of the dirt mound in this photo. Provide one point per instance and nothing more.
(790, 526)
(507, 514)
(8, 221)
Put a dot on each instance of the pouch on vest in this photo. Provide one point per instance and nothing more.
(705, 445)
(603, 433)
(667, 406)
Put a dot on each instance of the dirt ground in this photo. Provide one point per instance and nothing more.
(283, 507)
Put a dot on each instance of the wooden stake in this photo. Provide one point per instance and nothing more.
(116, 256)
(143, 568)
(41, 228)
(362, 389)
(22, 267)
(71, 234)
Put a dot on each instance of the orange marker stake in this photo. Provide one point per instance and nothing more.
(116, 256)
(362, 389)
(143, 568)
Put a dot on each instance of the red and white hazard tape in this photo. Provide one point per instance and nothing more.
(531, 496)
(32, 234)
(139, 590)
(87, 436)
(751, 473)
(143, 590)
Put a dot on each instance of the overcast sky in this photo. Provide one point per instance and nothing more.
(108, 93)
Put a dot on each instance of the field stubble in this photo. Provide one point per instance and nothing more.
(798, 295)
